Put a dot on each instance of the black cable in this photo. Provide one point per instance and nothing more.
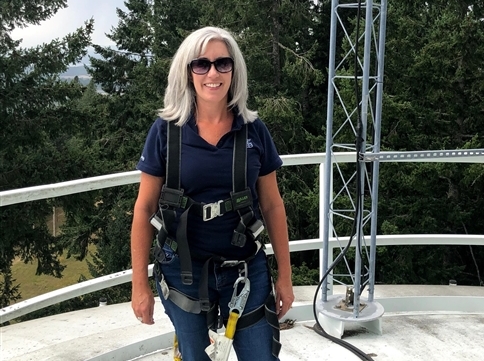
(359, 136)
(319, 329)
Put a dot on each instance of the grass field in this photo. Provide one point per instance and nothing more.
(32, 285)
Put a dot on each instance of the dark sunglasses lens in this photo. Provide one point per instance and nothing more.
(224, 65)
(200, 66)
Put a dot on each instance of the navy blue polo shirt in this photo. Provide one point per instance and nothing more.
(206, 176)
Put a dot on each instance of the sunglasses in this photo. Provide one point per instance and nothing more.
(203, 65)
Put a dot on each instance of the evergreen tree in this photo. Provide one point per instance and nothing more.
(433, 100)
(37, 123)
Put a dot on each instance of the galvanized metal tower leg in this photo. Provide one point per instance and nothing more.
(337, 310)
(328, 172)
(376, 147)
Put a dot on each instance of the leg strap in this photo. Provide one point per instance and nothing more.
(251, 318)
(189, 304)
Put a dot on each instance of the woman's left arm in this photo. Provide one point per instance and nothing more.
(274, 213)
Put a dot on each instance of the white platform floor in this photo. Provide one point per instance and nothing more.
(92, 334)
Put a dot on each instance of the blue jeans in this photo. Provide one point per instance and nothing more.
(251, 343)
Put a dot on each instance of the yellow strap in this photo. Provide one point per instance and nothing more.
(231, 325)
(176, 353)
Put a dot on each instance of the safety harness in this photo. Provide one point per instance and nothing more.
(173, 200)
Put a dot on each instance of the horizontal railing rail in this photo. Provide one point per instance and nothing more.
(112, 180)
(97, 284)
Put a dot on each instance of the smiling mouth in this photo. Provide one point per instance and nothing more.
(213, 85)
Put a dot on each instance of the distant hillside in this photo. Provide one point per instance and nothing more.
(78, 71)
(75, 71)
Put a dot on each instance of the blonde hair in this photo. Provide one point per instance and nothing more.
(180, 94)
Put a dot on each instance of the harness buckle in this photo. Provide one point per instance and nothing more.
(204, 305)
(211, 210)
(173, 197)
(238, 301)
(244, 272)
(230, 263)
(238, 239)
(156, 221)
(255, 229)
(187, 278)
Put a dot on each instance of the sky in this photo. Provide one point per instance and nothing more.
(69, 19)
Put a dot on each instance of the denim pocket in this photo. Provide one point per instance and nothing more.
(170, 254)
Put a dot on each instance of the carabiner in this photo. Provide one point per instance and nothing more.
(243, 272)
(237, 303)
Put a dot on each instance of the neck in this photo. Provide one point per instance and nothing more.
(213, 114)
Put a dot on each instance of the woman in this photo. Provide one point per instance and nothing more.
(206, 99)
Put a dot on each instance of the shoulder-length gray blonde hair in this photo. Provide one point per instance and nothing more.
(180, 94)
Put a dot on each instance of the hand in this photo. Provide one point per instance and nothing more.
(143, 304)
(284, 297)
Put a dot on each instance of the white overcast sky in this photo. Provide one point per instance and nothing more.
(69, 19)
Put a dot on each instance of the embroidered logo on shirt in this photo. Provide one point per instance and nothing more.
(249, 143)
(142, 158)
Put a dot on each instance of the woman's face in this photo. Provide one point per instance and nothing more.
(213, 87)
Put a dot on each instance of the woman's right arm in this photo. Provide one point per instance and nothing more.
(142, 299)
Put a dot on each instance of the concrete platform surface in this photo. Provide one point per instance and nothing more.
(90, 334)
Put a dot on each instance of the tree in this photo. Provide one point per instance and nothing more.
(37, 123)
(433, 100)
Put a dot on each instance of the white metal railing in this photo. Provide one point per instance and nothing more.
(111, 180)
(82, 288)
(89, 184)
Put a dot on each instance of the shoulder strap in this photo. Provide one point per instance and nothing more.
(239, 163)
(173, 156)
(172, 194)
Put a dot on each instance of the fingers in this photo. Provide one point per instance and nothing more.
(283, 304)
(145, 317)
(284, 307)
(284, 298)
(143, 308)
(278, 304)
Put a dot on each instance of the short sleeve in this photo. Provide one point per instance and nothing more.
(270, 159)
(153, 158)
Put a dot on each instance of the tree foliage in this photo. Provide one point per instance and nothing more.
(39, 128)
(433, 100)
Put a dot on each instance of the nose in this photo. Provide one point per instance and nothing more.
(212, 71)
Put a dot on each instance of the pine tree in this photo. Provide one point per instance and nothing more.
(36, 122)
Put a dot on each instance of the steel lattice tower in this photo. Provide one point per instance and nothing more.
(351, 194)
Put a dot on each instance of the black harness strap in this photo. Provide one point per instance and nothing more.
(239, 162)
(265, 310)
(241, 196)
(173, 162)
(172, 192)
